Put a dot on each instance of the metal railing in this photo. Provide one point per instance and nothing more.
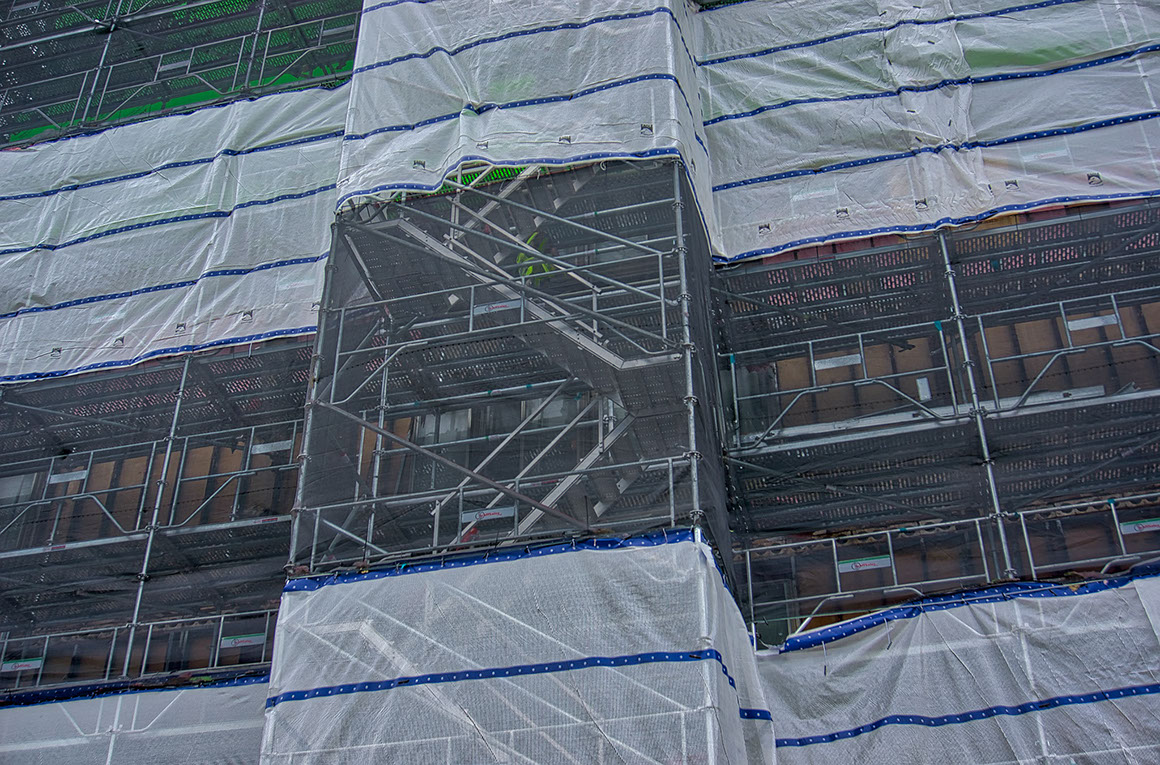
(152, 649)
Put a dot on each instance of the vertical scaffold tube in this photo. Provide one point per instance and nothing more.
(682, 253)
(143, 575)
(976, 409)
(313, 387)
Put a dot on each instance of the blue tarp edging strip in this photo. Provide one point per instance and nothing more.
(946, 221)
(392, 3)
(964, 146)
(655, 539)
(998, 594)
(876, 30)
(501, 672)
(174, 219)
(977, 714)
(572, 25)
(487, 107)
(103, 690)
(173, 166)
(170, 286)
(186, 113)
(938, 85)
(161, 352)
(662, 152)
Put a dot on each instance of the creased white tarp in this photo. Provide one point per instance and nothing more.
(837, 120)
(581, 656)
(167, 235)
(584, 655)
(1056, 679)
(195, 726)
(518, 82)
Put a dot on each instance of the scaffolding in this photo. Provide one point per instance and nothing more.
(73, 67)
(532, 355)
(951, 409)
(144, 520)
(509, 360)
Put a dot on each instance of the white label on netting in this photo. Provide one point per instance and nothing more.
(22, 665)
(241, 641)
(1139, 527)
(838, 361)
(923, 386)
(1091, 322)
(864, 564)
(502, 305)
(487, 515)
(76, 475)
(274, 446)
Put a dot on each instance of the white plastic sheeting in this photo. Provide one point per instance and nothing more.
(838, 119)
(438, 84)
(168, 235)
(1017, 675)
(612, 652)
(635, 652)
(196, 726)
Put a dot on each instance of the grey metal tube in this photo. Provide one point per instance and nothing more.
(976, 410)
(682, 253)
(312, 400)
(143, 575)
(558, 219)
(454, 466)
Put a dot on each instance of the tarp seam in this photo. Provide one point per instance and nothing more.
(964, 146)
(392, 3)
(192, 348)
(939, 85)
(102, 690)
(184, 113)
(560, 98)
(977, 714)
(407, 186)
(518, 670)
(655, 539)
(173, 166)
(571, 25)
(168, 286)
(1002, 593)
(875, 30)
(945, 221)
(174, 219)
